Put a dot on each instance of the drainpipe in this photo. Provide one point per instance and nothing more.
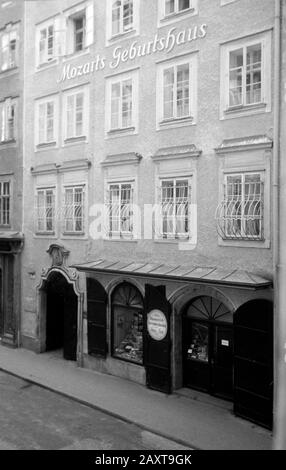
(279, 249)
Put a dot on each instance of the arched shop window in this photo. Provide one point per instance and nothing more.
(127, 323)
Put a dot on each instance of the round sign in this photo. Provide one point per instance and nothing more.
(157, 325)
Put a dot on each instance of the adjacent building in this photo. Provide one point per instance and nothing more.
(148, 159)
(11, 164)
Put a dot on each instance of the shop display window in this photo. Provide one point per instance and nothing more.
(198, 348)
(127, 309)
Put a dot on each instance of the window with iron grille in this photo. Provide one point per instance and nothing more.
(74, 209)
(5, 203)
(45, 210)
(245, 75)
(8, 54)
(7, 120)
(175, 198)
(240, 214)
(122, 16)
(120, 214)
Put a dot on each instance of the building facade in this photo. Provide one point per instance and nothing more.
(11, 163)
(148, 138)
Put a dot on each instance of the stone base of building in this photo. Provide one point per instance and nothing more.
(116, 367)
(30, 343)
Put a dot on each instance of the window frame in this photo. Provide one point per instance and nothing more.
(227, 111)
(86, 11)
(176, 15)
(133, 127)
(40, 102)
(44, 190)
(162, 122)
(74, 232)
(8, 196)
(8, 31)
(5, 105)
(121, 34)
(83, 137)
(159, 218)
(120, 234)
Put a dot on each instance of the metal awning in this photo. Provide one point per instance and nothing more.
(199, 274)
(11, 236)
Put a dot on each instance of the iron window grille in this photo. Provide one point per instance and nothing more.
(122, 16)
(245, 76)
(240, 215)
(4, 203)
(74, 210)
(120, 211)
(175, 199)
(45, 210)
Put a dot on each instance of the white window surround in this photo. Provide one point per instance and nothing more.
(121, 235)
(45, 210)
(226, 2)
(86, 12)
(123, 32)
(8, 121)
(165, 18)
(9, 47)
(177, 120)
(119, 83)
(6, 192)
(41, 122)
(79, 112)
(228, 112)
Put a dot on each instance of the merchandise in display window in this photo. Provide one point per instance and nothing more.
(198, 348)
(127, 308)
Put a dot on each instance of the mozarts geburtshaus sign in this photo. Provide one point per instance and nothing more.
(120, 54)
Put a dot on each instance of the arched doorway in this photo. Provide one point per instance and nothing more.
(61, 316)
(208, 347)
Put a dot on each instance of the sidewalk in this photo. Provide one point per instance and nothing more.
(190, 418)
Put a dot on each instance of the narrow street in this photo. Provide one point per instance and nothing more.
(32, 418)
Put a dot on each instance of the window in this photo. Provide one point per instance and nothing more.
(74, 209)
(75, 109)
(127, 318)
(120, 214)
(176, 92)
(46, 44)
(7, 121)
(240, 215)
(80, 28)
(123, 111)
(122, 16)
(9, 44)
(246, 76)
(46, 121)
(171, 10)
(45, 210)
(4, 203)
(175, 198)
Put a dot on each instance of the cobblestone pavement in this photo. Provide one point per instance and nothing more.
(33, 418)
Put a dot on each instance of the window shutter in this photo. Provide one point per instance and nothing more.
(60, 36)
(89, 39)
(96, 318)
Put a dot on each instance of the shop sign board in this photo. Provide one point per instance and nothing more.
(157, 325)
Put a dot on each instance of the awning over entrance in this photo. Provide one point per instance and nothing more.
(200, 274)
(11, 242)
